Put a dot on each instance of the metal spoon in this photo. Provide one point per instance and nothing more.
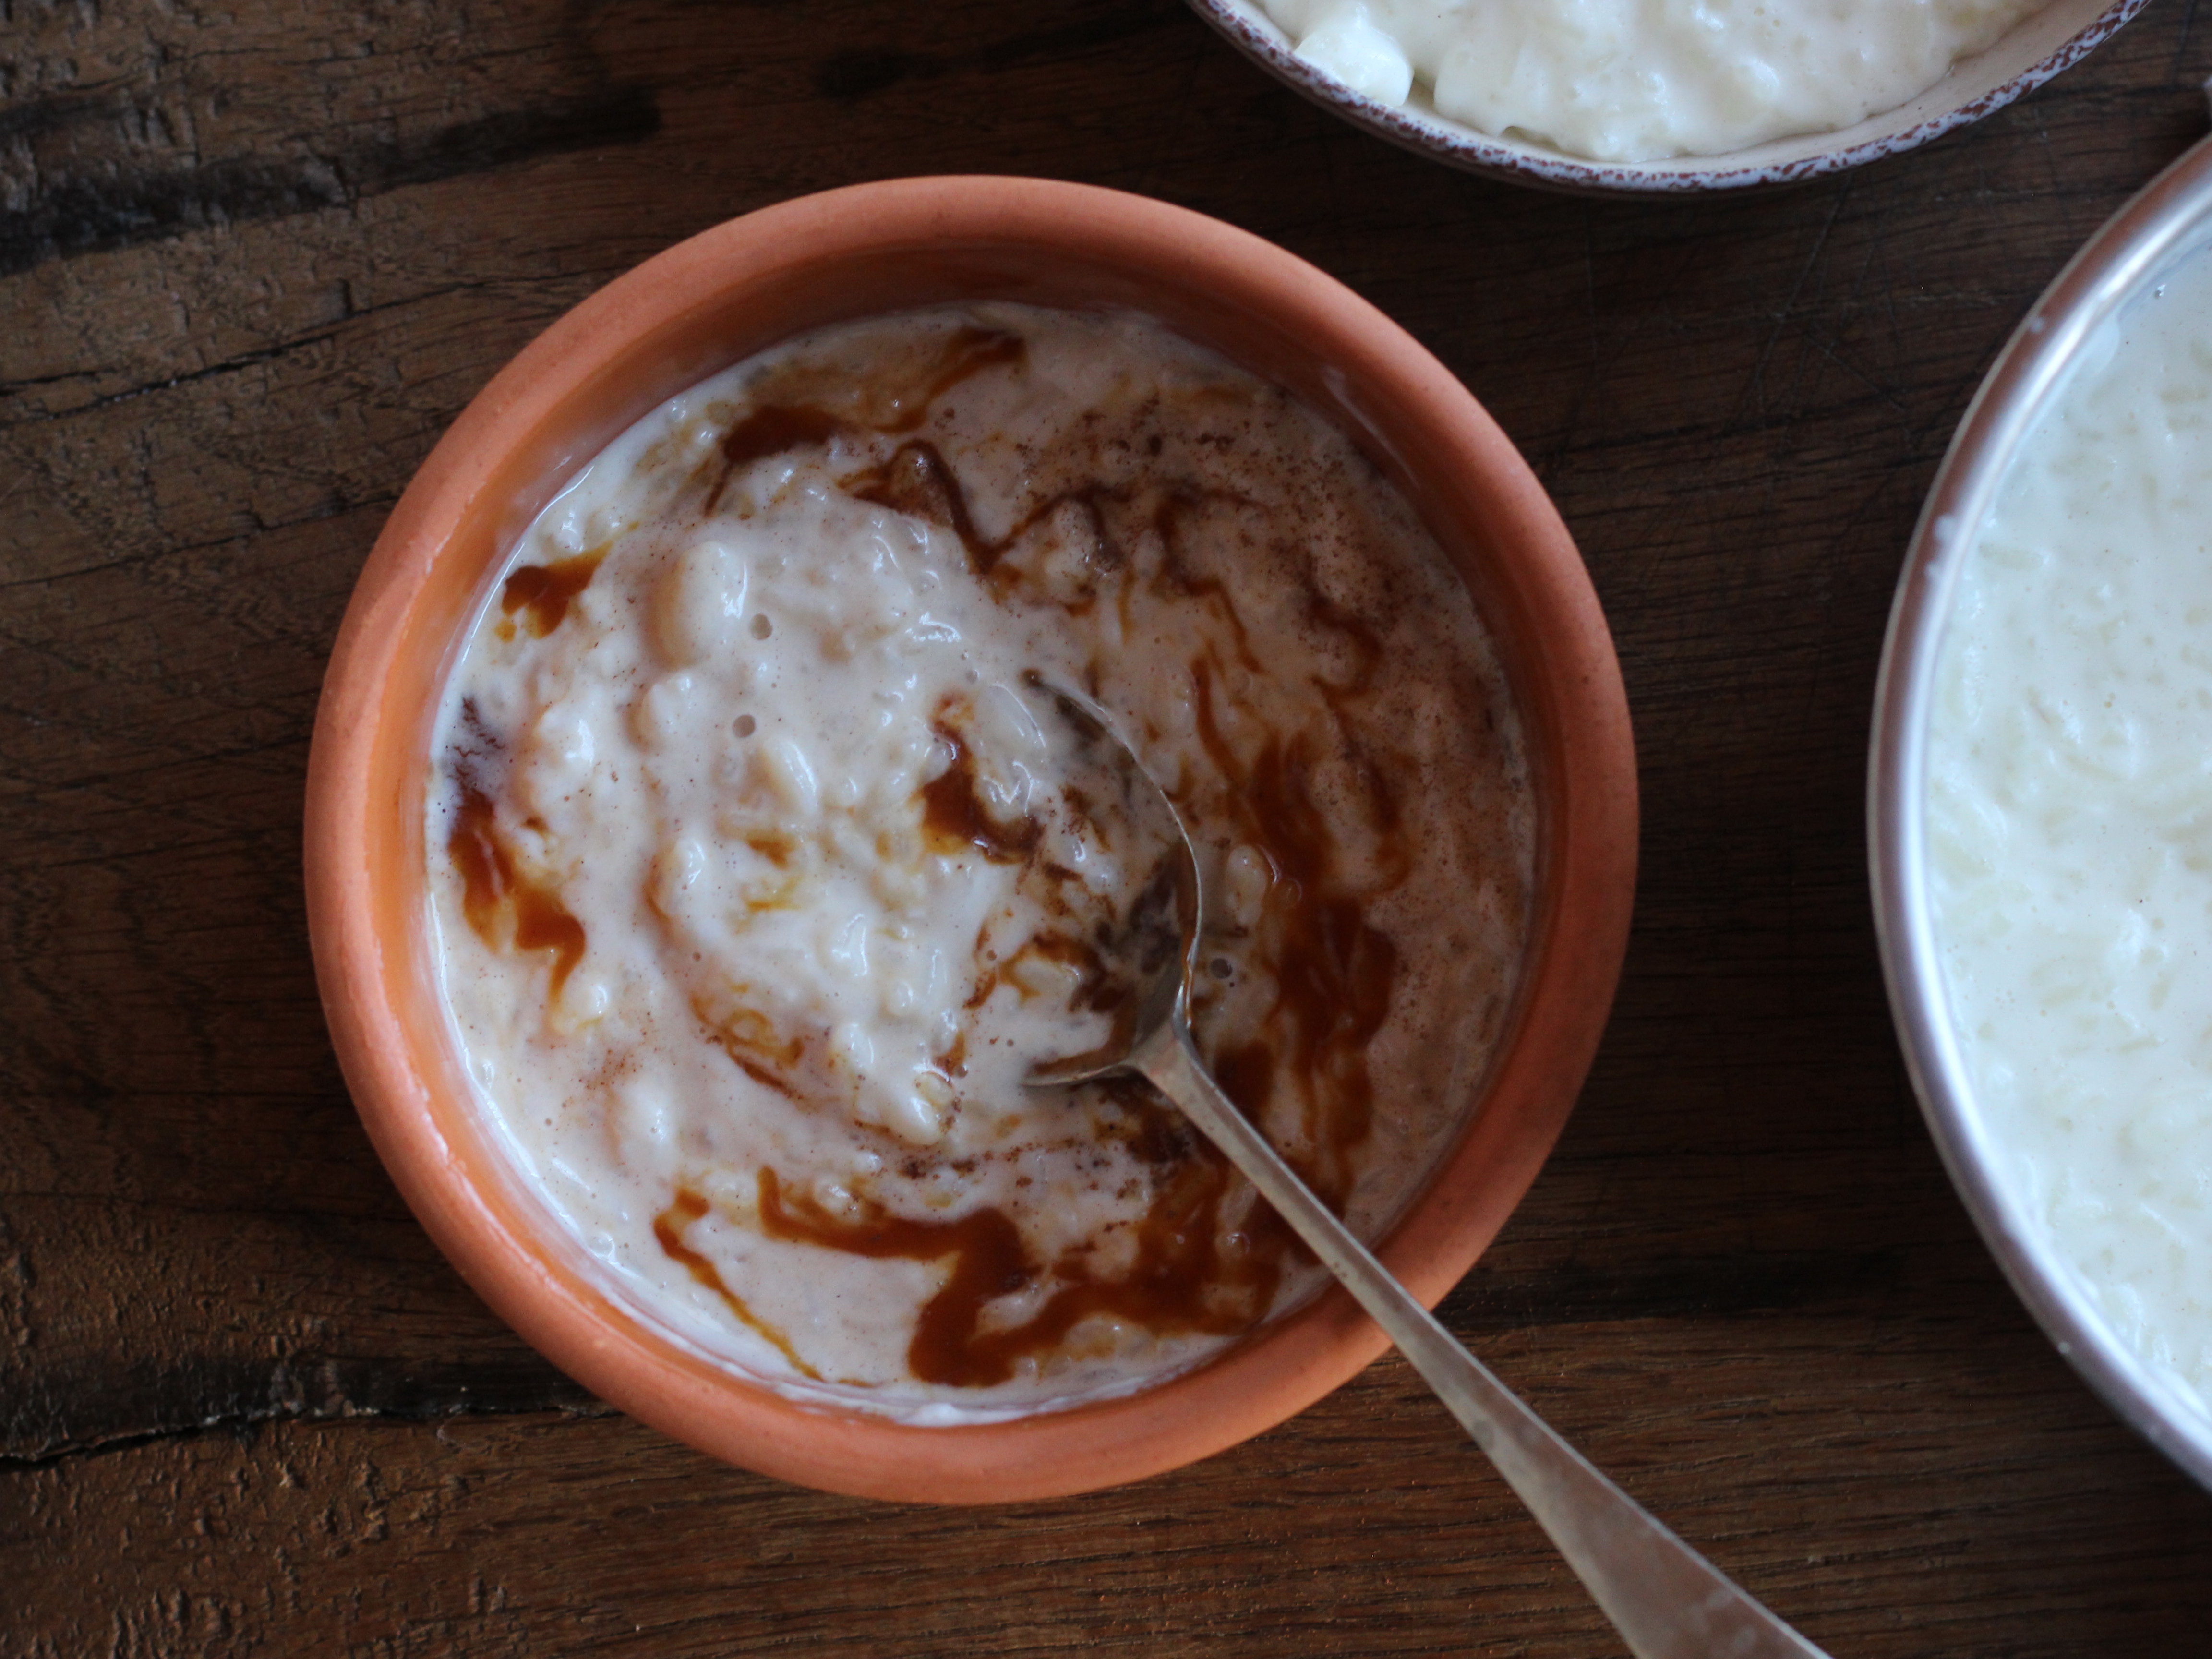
(1668, 1601)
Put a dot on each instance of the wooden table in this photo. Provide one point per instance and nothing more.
(253, 260)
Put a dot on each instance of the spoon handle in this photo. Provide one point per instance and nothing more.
(1665, 1598)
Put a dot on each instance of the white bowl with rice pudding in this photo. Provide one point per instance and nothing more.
(1655, 97)
(695, 868)
(2039, 801)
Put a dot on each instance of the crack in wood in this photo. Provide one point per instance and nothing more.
(48, 1428)
(76, 216)
(258, 357)
(244, 1424)
(305, 1391)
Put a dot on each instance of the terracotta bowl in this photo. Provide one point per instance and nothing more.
(2027, 54)
(702, 306)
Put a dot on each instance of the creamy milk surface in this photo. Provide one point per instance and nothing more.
(762, 870)
(1642, 80)
(2070, 826)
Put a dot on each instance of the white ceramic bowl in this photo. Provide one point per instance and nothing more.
(2030, 53)
(2169, 222)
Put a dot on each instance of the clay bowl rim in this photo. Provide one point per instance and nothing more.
(705, 303)
(2033, 49)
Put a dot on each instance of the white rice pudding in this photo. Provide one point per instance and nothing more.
(1642, 80)
(762, 870)
(2070, 826)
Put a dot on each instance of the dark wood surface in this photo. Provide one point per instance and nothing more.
(253, 260)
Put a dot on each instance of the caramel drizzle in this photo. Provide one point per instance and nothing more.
(500, 904)
(916, 479)
(775, 427)
(668, 1228)
(1181, 1281)
(1334, 972)
(749, 1038)
(954, 818)
(544, 591)
(767, 432)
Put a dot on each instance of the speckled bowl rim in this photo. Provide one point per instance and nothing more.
(711, 300)
(1957, 100)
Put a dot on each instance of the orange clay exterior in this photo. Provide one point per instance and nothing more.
(722, 296)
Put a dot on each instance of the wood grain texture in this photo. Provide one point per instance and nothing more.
(253, 260)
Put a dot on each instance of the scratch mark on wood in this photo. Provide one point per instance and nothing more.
(75, 217)
(301, 1390)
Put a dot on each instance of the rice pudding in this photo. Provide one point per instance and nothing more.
(1642, 80)
(761, 873)
(2070, 826)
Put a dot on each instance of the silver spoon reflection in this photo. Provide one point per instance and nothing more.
(1668, 1601)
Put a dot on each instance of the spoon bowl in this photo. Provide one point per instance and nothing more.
(1165, 992)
